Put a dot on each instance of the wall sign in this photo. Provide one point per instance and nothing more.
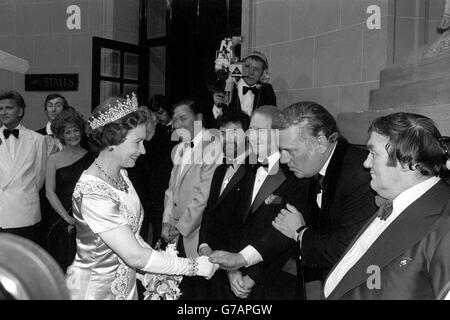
(51, 82)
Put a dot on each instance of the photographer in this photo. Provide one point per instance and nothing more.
(251, 90)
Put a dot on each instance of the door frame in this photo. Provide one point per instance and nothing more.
(97, 45)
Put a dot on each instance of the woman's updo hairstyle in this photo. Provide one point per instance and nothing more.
(113, 132)
(66, 118)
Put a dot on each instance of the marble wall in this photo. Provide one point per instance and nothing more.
(322, 50)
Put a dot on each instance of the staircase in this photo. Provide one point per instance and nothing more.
(422, 87)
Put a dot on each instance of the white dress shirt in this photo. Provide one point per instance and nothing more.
(245, 99)
(322, 172)
(187, 151)
(251, 255)
(216, 111)
(262, 173)
(374, 230)
(231, 170)
(48, 130)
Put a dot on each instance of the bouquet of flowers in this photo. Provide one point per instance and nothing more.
(161, 286)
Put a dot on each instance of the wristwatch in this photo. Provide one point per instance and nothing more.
(298, 233)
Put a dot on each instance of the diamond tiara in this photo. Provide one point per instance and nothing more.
(114, 113)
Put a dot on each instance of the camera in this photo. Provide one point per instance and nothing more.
(227, 68)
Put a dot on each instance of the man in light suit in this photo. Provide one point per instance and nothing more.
(403, 252)
(22, 170)
(195, 159)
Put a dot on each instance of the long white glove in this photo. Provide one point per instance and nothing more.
(167, 264)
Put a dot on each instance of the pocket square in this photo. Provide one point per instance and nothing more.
(273, 199)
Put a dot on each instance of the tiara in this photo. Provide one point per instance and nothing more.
(114, 113)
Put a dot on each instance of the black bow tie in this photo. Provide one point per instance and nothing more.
(385, 207)
(317, 183)
(246, 89)
(261, 165)
(14, 132)
(228, 162)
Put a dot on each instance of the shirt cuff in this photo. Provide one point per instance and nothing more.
(300, 238)
(251, 256)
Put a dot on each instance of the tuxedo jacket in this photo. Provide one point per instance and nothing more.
(413, 254)
(277, 190)
(188, 192)
(21, 178)
(222, 217)
(265, 96)
(348, 203)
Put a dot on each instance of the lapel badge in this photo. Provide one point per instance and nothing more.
(404, 261)
(273, 199)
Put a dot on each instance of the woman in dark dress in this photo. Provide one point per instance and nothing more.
(154, 165)
(64, 168)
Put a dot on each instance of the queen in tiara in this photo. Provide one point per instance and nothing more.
(108, 212)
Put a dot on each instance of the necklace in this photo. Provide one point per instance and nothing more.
(120, 183)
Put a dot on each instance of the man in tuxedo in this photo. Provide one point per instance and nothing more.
(268, 188)
(403, 252)
(340, 200)
(252, 90)
(23, 157)
(54, 104)
(221, 218)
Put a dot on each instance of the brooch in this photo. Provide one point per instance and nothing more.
(404, 261)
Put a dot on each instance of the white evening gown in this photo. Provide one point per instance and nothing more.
(97, 273)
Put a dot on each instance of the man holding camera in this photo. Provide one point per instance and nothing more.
(251, 90)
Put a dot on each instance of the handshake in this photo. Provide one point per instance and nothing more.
(210, 261)
(240, 284)
(205, 268)
(225, 260)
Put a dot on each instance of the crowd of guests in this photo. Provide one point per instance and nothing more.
(271, 204)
